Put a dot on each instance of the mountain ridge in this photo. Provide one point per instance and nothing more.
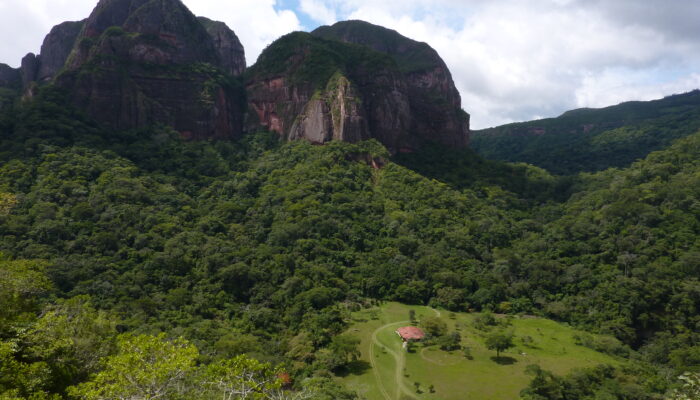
(136, 63)
(591, 139)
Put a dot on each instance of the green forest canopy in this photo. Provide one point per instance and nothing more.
(262, 248)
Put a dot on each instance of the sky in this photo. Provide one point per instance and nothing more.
(512, 60)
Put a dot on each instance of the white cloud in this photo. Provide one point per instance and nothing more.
(318, 11)
(24, 23)
(517, 60)
(613, 87)
(257, 23)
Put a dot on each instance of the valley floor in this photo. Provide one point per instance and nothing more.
(387, 372)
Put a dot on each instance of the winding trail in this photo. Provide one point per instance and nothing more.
(399, 358)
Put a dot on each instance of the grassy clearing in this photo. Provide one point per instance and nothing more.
(387, 372)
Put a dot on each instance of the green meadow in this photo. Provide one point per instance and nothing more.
(386, 371)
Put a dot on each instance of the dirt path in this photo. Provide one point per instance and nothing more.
(400, 360)
(373, 362)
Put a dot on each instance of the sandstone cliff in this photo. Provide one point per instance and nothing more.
(355, 81)
(56, 48)
(134, 63)
(229, 48)
(435, 101)
(320, 90)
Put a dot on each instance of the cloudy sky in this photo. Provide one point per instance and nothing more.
(512, 60)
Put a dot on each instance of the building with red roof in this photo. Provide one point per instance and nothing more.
(410, 333)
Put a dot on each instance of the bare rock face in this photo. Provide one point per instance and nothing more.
(229, 48)
(29, 69)
(309, 88)
(299, 112)
(435, 101)
(56, 48)
(142, 62)
(333, 114)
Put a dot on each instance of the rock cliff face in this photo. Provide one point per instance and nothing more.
(355, 81)
(320, 90)
(57, 45)
(135, 63)
(29, 69)
(56, 48)
(435, 101)
(229, 48)
(142, 62)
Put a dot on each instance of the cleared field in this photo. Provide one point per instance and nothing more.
(387, 372)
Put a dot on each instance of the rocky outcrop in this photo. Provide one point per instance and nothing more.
(56, 48)
(308, 88)
(434, 99)
(333, 114)
(136, 63)
(10, 78)
(29, 69)
(298, 112)
(166, 33)
(229, 48)
(142, 62)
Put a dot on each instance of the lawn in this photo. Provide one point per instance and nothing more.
(387, 372)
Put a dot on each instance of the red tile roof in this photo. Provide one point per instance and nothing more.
(411, 333)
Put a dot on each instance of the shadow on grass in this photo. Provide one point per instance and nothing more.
(357, 367)
(504, 360)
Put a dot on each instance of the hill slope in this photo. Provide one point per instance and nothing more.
(593, 139)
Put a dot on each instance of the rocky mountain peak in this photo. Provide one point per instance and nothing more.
(167, 32)
(56, 48)
(321, 90)
(140, 62)
(435, 101)
(228, 46)
(378, 83)
(135, 63)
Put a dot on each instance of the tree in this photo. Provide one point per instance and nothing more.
(544, 385)
(499, 341)
(434, 326)
(23, 283)
(346, 347)
(451, 341)
(410, 346)
(467, 351)
(145, 367)
(73, 338)
(7, 202)
(484, 321)
(242, 378)
(690, 388)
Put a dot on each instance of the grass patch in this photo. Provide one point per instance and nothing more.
(451, 374)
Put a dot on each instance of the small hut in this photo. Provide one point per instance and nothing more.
(410, 334)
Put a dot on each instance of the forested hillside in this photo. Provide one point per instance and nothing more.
(261, 248)
(588, 140)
